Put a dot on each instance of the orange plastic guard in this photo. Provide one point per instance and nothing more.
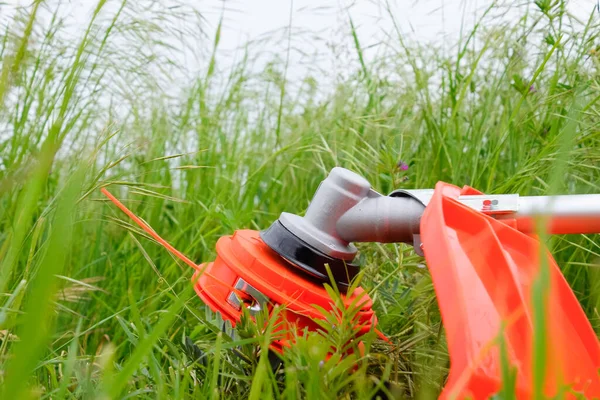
(483, 271)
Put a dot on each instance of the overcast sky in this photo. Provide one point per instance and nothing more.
(423, 20)
(319, 25)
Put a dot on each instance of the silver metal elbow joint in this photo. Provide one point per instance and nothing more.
(346, 209)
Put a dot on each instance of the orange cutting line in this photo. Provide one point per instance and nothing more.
(162, 241)
(149, 230)
(382, 336)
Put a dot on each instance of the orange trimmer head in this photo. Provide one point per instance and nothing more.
(258, 278)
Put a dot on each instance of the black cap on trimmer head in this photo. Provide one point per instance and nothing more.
(308, 259)
(312, 242)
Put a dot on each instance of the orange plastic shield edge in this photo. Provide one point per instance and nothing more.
(482, 271)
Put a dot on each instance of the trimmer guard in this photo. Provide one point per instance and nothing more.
(483, 271)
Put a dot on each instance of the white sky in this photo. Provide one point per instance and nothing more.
(325, 24)
(425, 20)
(319, 26)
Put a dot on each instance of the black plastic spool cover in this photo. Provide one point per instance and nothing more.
(306, 258)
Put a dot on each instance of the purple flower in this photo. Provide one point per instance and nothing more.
(532, 89)
(402, 165)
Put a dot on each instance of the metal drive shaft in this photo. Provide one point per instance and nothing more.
(566, 214)
(346, 209)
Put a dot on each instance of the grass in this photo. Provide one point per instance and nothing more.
(93, 308)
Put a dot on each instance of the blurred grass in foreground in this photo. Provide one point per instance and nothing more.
(91, 307)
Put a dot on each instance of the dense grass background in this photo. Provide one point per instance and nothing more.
(91, 307)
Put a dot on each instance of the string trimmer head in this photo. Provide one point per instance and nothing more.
(478, 248)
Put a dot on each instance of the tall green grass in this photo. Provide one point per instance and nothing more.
(92, 307)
